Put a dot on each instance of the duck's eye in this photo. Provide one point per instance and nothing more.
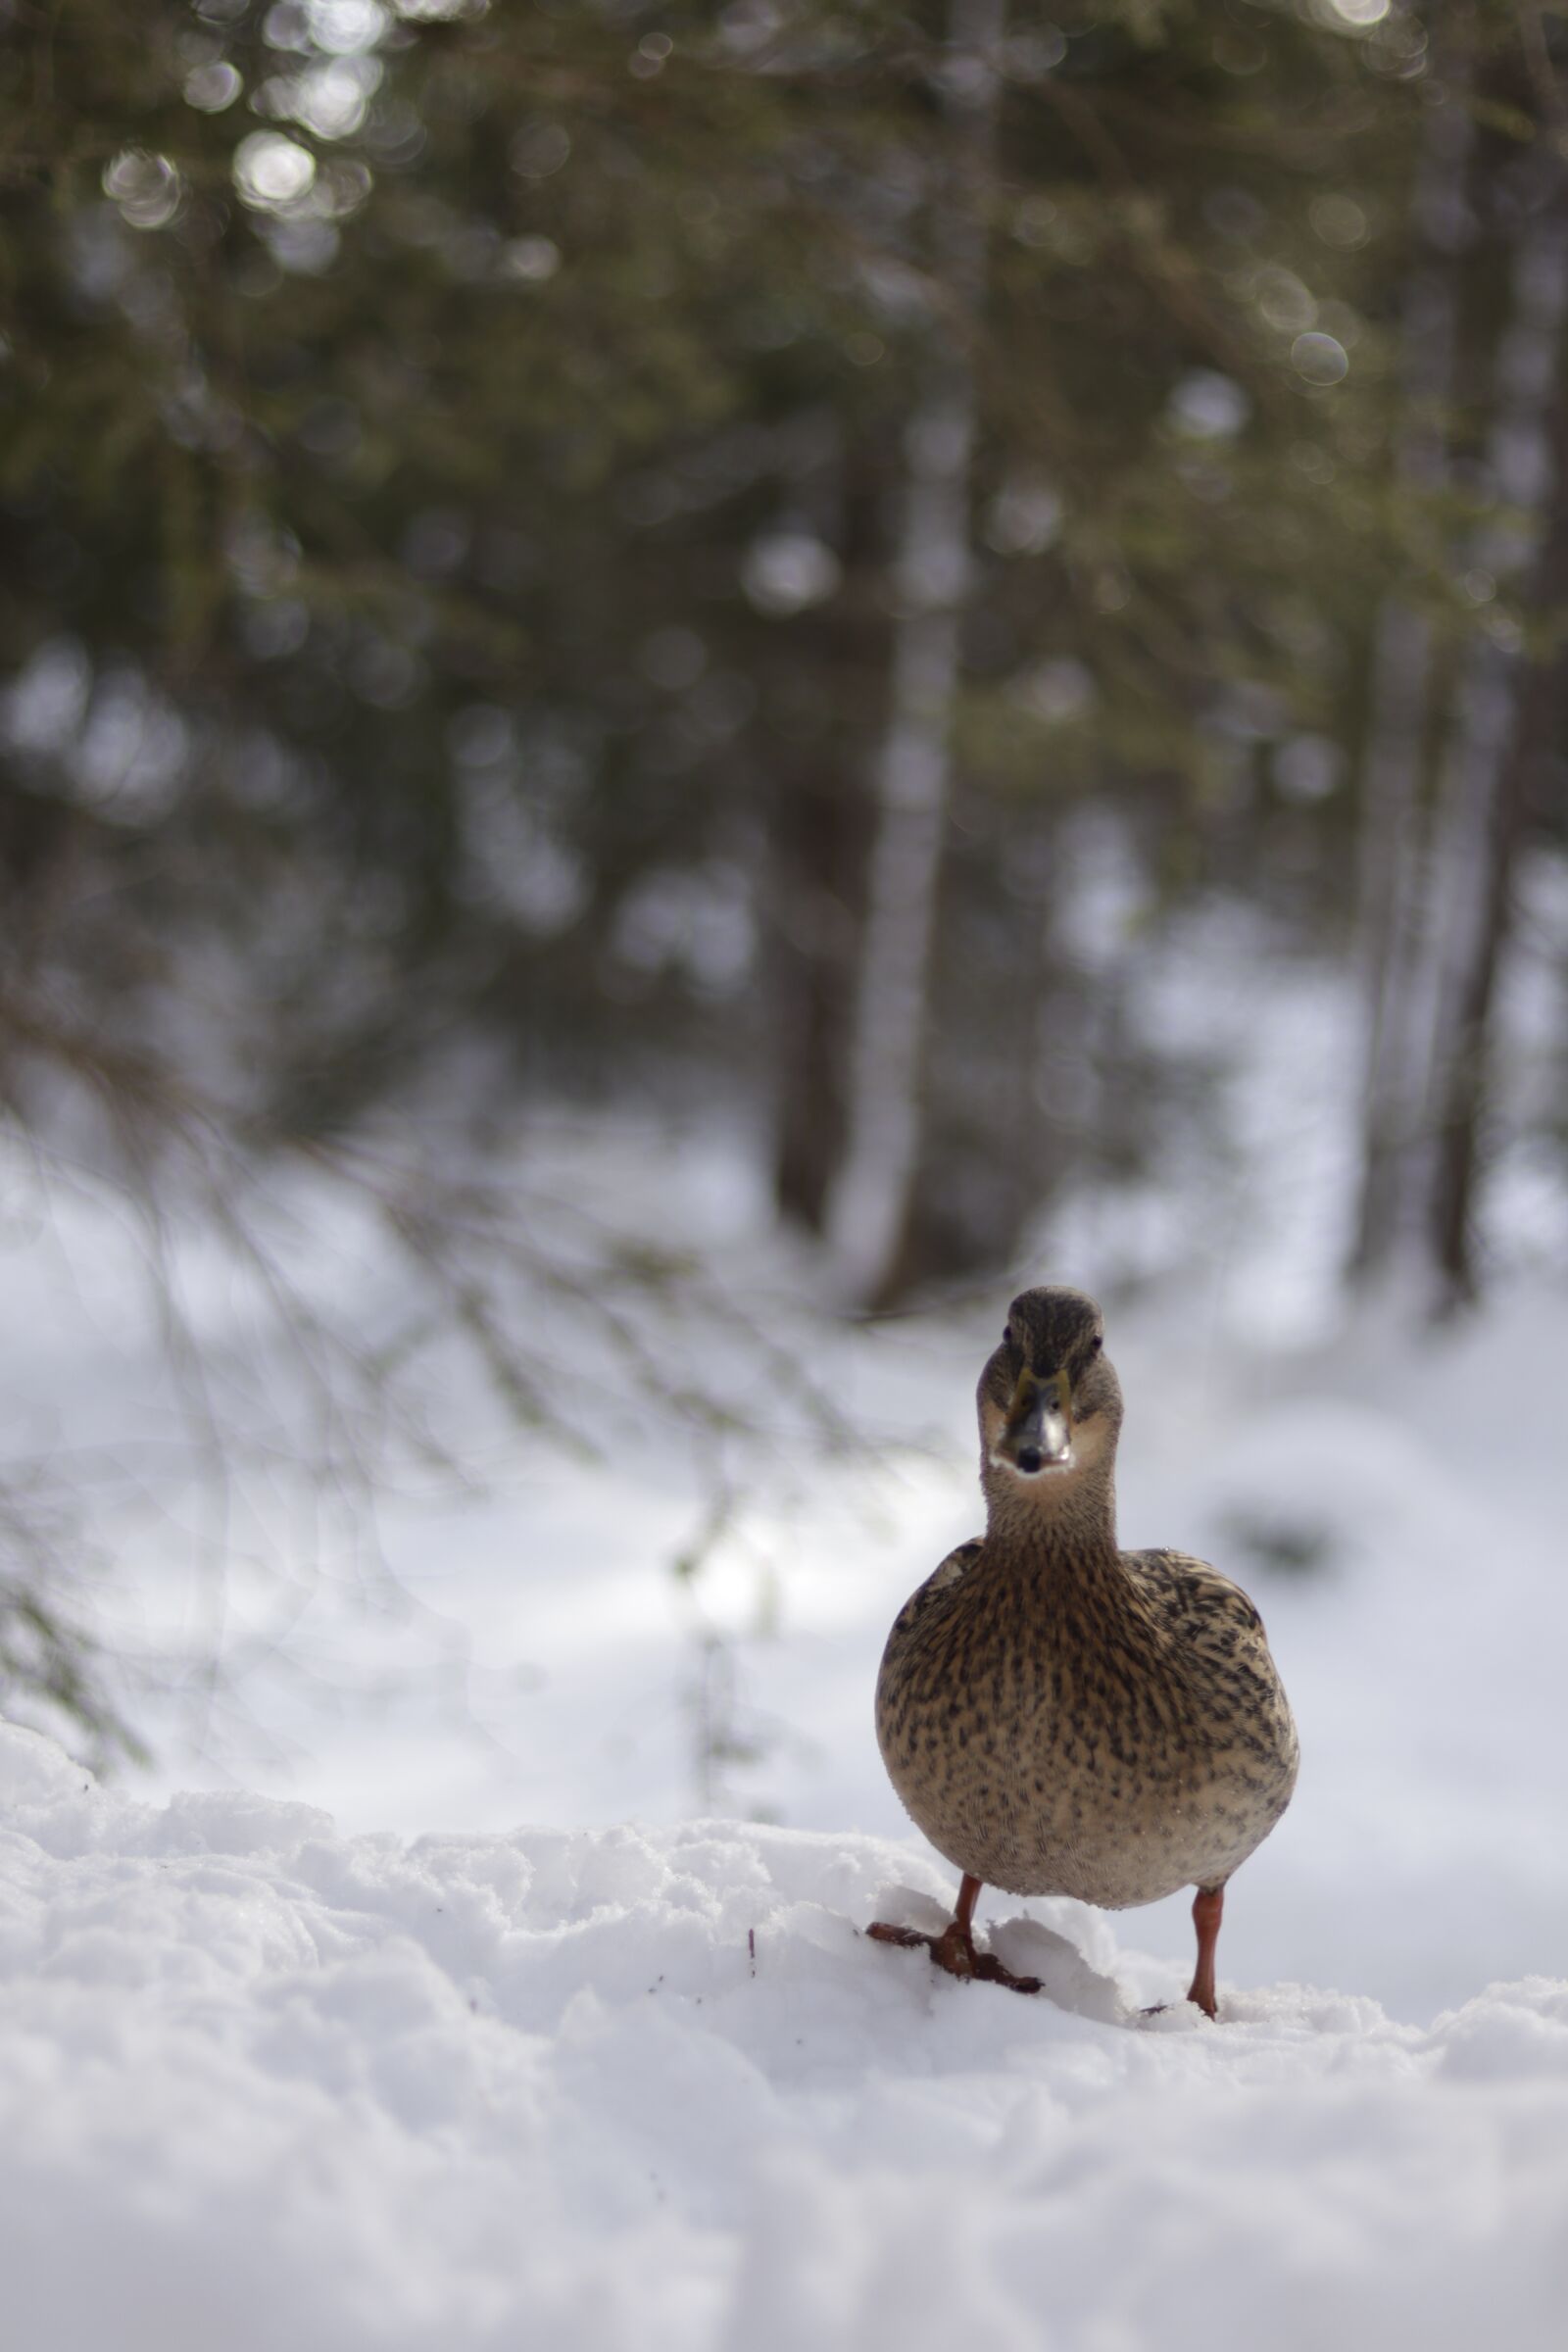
(1096, 1343)
(1007, 1335)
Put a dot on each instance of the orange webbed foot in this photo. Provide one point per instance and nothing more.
(954, 1951)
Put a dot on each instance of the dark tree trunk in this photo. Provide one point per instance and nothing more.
(1506, 696)
(820, 828)
(876, 1219)
(819, 849)
(1004, 1020)
(1394, 849)
(1462, 1101)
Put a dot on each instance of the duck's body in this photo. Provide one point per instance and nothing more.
(1110, 1729)
(1060, 1717)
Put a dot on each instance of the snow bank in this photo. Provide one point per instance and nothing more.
(261, 2084)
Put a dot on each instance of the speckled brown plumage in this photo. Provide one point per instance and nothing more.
(1060, 1717)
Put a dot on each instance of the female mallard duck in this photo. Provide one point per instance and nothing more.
(1064, 1718)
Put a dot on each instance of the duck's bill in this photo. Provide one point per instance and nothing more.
(1038, 1436)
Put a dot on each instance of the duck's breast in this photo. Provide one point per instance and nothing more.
(1112, 1747)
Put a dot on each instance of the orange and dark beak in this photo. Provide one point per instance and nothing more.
(1037, 1431)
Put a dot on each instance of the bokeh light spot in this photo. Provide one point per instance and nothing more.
(211, 89)
(786, 571)
(272, 170)
(1320, 358)
(146, 187)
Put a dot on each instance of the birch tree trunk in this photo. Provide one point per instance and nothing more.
(874, 1196)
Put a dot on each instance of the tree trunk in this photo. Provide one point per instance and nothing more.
(1394, 847)
(1504, 711)
(872, 1207)
(818, 861)
(819, 837)
(1467, 1043)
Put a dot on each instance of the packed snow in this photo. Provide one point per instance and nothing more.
(493, 2042)
(265, 2085)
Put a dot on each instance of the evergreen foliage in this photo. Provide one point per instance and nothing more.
(450, 462)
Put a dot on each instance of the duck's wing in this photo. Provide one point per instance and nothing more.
(1197, 1605)
(939, 1586)
(920, 1645)
(1232, 1700)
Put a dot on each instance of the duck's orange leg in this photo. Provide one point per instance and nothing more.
(954, 1949)
(1208, 1909)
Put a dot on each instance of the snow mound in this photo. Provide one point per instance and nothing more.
(264, 2086)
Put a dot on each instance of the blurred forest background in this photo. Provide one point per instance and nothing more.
(788, 555)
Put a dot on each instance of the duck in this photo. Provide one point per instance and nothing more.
(1060, 1717)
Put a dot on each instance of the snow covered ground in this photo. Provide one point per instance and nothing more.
(265, 2085)
(421, 2076)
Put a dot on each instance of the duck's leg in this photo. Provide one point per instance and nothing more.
(1208, 1909)
(954, 1949)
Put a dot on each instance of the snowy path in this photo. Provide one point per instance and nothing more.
(264, 2086)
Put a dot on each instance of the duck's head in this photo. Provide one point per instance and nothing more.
(1049, 1402)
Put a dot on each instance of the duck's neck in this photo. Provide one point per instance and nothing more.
(1062, 1527)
